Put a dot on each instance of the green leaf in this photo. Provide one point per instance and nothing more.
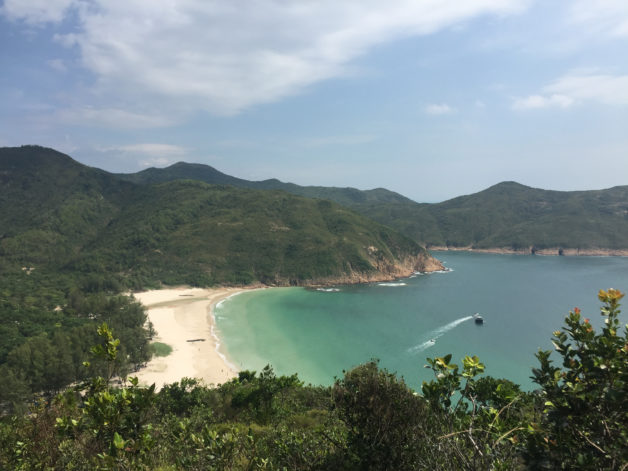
(118, 441)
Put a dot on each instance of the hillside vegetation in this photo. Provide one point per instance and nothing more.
(58, 213)
(207, 174)
(508, 215)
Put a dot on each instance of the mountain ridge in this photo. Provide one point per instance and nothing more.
(209, 174)
(506, 217)
(62, 213)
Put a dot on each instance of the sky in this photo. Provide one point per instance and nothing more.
(429, 98)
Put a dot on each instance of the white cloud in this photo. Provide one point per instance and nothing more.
(540, 101)
(579, 88)
(224, 57)
(606, 17)
(156, 162)
(36, 11)
(438, 109)
(150, 154)
(600, 88)
(112, 117)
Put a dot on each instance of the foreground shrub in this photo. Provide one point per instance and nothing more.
(584, 424)
(383, 417)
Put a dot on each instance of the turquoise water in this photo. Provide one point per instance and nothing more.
(523, 299)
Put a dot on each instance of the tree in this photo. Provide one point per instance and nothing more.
(263, 392)
(383, 417)
(117, 419)
(584, 424)
(46, 364)
(13, 390)
(480, 419)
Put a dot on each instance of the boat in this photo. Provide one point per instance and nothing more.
(478, 318)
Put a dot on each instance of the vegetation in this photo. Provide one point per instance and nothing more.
(190, 232)
(507, 215)
(369, 420)
(160, 349)
(585, 404)
(43, 347)
(59, 215)
(515, 216)
(184, 171)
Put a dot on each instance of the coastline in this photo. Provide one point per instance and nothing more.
(552, 251)
(183, 318)
(424, 262)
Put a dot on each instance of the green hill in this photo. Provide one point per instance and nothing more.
(50, 205)
(514, 216)
(57, 212)
(508, 215)
(207, 174)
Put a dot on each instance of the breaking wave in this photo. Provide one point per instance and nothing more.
(446, 270)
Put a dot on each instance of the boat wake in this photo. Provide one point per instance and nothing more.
(328, 290)
(436, 334)
(392, 284)
(422, 346)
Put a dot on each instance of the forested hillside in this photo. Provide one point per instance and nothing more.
(508, 215)
(207, 174)
(61, 214)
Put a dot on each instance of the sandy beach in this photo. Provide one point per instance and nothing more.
(183, 319)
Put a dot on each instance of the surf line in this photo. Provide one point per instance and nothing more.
(437, 333)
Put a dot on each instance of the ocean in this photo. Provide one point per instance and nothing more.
(318, 334)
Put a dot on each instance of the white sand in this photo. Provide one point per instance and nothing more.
(179, 315)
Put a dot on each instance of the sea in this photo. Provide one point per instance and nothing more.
(319, 333)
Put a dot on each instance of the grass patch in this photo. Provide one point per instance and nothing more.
(160, 349)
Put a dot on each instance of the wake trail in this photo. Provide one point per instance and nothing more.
(436, 334)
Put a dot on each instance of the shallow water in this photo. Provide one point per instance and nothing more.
(523, 299)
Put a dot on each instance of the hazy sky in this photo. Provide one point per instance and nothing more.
(429, 98)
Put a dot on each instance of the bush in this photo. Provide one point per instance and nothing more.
(383, 417)
(584, 424)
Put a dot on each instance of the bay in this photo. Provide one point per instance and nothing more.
(318, 334)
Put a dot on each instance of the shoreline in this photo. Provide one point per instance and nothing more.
(553, 251)
(183, 318)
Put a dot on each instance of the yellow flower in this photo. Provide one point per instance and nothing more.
(610, 296)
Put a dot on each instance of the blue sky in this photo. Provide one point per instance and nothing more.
(432, 99)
